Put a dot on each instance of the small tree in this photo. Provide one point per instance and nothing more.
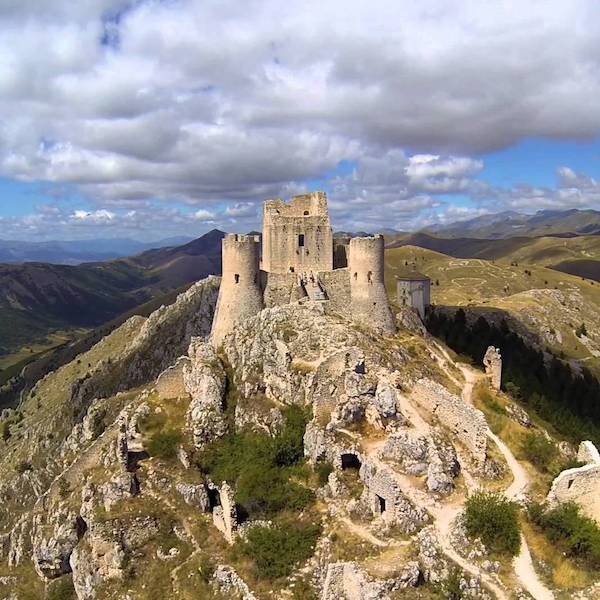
(581, 330)
(494, 519)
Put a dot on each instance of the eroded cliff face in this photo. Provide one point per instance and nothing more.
(110, 485)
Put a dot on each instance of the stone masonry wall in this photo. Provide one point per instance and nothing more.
(369, 300)
(281, 288)
(337, 287)
(580, 485)
(466, 422)
(169, 383)
(297, 235)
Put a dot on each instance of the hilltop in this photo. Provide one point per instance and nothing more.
(549, 304)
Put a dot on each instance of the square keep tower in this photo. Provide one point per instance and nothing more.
(297, 236)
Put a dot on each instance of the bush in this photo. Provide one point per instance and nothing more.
(277, 550)
(565, 525)
(261, 467)
(323, 470)
(538, 450)
(450, 587)
(163, 444)
(581, 330)
(493, 519)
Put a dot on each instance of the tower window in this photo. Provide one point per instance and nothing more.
(237, 277)
(355, 275)
(301, 240)
(369, 275)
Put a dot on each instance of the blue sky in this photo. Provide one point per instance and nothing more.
(151, 119)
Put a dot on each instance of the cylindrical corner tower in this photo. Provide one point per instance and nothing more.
(369, 299)
(240, 295)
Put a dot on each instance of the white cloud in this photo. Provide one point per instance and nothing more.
(97, 217)
(214, 103)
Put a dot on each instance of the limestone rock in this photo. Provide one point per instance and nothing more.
(347, 581)
(194, 495)
(230, 583)
(434, 564)
(51, 553)
(205, 381)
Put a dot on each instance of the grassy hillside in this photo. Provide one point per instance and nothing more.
(38, 300)
(550, 304)
(575, 255)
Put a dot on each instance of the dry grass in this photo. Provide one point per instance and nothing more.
(562, 571)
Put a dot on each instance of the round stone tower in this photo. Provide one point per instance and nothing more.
(369, 300)
(240, 295)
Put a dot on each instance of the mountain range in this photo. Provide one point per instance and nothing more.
(73, 252)
(38, 298)
(510, 224)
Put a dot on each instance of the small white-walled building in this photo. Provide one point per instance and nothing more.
(414, 289)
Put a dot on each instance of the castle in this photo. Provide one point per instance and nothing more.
(296, 264)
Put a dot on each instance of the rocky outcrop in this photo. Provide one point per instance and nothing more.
(53, 542)
(164, 336)
(231, 584)
(347, 581)
(205, 381)
(424, 454)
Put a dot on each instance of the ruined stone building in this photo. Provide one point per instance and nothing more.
(297, 264)
(414, 289)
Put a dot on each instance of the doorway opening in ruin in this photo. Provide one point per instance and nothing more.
(381, 503)
(306, 213)
(301, 240)
(80, 527)
(237, 277)
(350, 461)
(214, 499)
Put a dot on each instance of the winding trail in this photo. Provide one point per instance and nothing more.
(522, 563)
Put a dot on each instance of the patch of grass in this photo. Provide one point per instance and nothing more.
(163, 444)
(566, 526)
(323, 470)
(275, 551)
(495, 520)
(538, 450)
(262, 468)
(62, 589)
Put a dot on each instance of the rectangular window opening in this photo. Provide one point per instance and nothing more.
(301, 240)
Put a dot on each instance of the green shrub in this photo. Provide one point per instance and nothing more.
(566, 526)
(538, 450)
(276, 550)
(494, 519)
(323, 470)
(163, 444)
(450, 587)
(261, 467)
(581, 330)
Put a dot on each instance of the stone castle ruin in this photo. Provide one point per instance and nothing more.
(492, 362)
(297, 264)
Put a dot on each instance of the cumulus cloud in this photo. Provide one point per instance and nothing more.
(218, 105)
